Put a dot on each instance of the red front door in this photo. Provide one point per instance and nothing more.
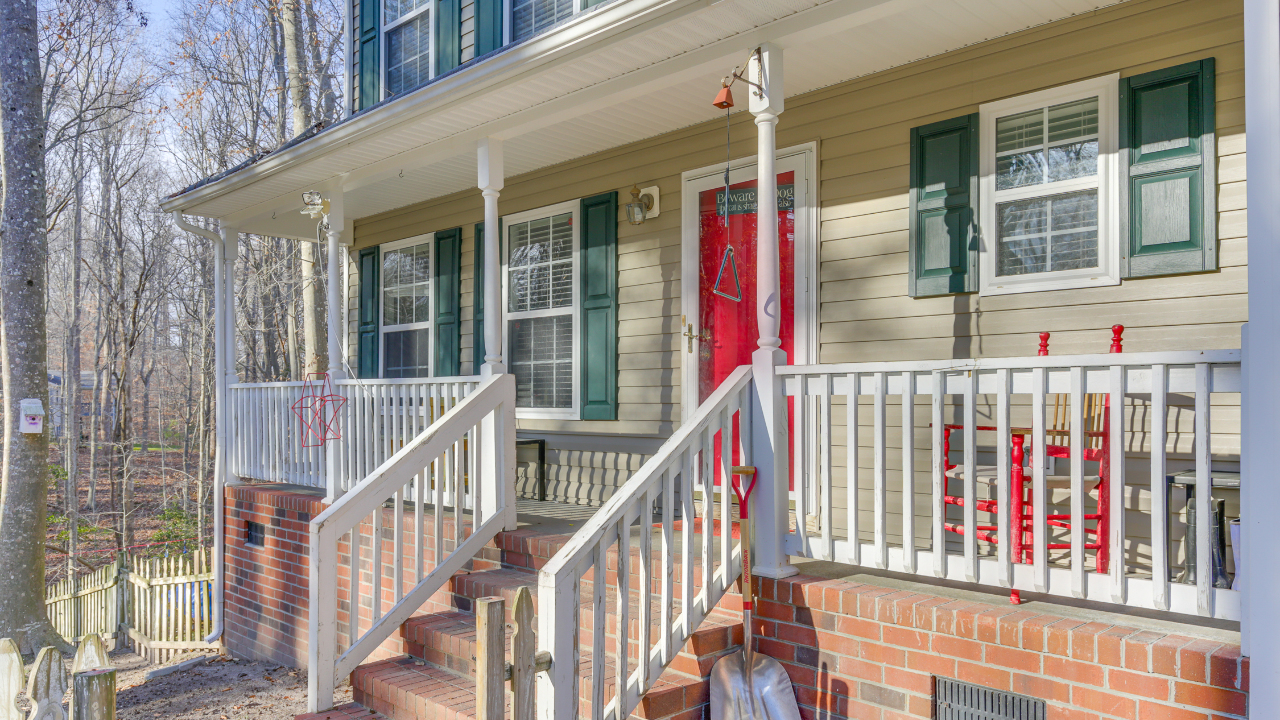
(727, 283)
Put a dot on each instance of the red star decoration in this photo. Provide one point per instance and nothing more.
(318, 410)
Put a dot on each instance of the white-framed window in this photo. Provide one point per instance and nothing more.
(1049, 189)
(540, 277)
(405, 335)
(406, 33)
(530, 17)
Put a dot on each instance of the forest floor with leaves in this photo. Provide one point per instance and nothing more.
(221, 689)
(159, 522)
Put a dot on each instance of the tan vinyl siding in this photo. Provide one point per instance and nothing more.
(862, 130)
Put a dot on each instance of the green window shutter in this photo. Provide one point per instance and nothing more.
(448, 36)
(944, 195)
(369, 264)
(1168, 186)
(488, 26)
(598, 337)
(367, 49)
(447, 323)
(477, 300)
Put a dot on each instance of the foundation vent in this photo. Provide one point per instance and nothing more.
(955, 700)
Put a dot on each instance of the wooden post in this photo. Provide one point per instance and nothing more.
(46, 686)
(91, 655)
(10, 679)
(522, 663)
(491, 663)
(93, 696)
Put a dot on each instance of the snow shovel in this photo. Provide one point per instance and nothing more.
(748, 685)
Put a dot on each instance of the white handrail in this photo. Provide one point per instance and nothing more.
(668, 480)
(1158, 418)
(459, 462)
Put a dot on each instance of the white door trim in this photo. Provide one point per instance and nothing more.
(801, 159)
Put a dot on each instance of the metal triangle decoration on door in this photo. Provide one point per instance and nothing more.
(729, 260)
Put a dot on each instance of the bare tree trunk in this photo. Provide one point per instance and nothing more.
(23, 350)
(328, 98)
(295, 64)
(314, 349)
(71, 381)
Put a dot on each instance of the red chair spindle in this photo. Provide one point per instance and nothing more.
(1044, 344)
(1117, 332)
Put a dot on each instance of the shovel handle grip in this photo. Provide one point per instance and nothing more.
(745, 533)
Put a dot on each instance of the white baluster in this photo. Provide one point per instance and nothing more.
(970, 477)
(1159, 496)
(1204, 496)
(909, 471)
(1004, 493)
(1077, 481)
(879, 477)
(1116, 450)
(1040, 528)
(851, 465)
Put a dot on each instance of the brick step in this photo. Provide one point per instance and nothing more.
(350, 711)
(407, 689)
(448, 640)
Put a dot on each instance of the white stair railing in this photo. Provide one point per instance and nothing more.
(696, 459)
(381, 416)
(363, 583)
(888, 420)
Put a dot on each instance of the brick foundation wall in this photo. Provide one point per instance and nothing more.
(870, 652)
(266, 589)
(267, 592)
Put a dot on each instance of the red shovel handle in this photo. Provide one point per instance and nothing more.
(743, 496)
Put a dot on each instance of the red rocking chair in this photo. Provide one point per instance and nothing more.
(1097, 438)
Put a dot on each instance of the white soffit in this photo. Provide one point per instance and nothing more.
(641, 83)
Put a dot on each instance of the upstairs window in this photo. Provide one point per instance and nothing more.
(530, 17)
(407, 29)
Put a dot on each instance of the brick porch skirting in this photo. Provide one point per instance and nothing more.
(867, 651)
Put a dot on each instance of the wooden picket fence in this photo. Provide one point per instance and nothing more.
(170, 605)
(161, 607)
(83, 604)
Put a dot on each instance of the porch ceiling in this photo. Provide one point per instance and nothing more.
(632, 70)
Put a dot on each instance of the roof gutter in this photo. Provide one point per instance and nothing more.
(220, 419)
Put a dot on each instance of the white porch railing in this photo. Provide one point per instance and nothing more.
(380, 416)
(707, 562)
(461, 470)
(1160, 407)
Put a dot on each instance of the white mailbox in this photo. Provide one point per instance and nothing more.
(32, 415)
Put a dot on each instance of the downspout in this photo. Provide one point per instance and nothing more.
(220, 462)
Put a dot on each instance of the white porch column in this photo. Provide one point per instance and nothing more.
(1260, 493)
(336, 315)
(224, 361)
(769, 441)
(498, 431)
(490, 180)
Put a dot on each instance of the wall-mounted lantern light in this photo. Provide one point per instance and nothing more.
(643, 205)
